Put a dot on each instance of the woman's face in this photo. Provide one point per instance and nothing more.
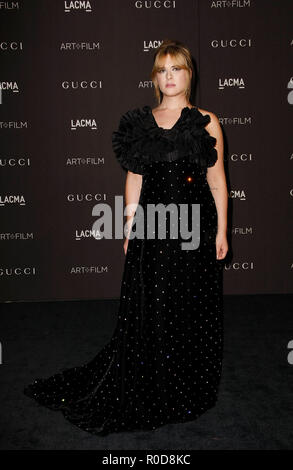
(172, 79)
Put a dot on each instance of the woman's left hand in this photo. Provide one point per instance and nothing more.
(221, 245)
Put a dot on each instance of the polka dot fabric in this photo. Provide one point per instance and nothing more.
(163, 362)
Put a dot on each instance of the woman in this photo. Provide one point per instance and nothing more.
(163, 362)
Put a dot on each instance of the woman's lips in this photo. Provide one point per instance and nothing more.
(170, 84)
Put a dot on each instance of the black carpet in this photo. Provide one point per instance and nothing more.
(255, 404)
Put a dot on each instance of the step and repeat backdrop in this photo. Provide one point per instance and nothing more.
(69, 69)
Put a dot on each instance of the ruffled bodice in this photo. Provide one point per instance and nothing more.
(139, 140)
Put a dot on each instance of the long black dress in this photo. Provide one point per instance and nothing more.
(163, 363)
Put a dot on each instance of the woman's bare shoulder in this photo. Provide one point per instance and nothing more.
(205, 111)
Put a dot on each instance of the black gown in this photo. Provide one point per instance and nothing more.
(163, 363)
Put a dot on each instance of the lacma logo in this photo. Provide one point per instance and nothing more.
(12, 199)
(238, 194)
(77, 5)
(83, 124)
(87, 233)
(231, 83)
(9, 86)
(150, 45)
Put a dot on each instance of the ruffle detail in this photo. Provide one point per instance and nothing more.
(128, 141)
(140, 140)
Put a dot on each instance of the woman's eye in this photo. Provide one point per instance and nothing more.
(174, 68)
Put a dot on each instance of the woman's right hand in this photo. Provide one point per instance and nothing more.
(127, 231)
(125, 245)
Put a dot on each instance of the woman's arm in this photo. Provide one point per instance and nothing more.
(216, 175)
(132, 193)
(217, 182)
